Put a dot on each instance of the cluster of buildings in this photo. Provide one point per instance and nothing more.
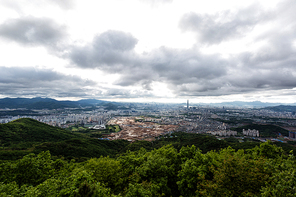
(65, 120)
(223, 133)
(100, 126)
(251, 132)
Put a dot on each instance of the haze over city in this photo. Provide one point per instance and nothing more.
(148, 50)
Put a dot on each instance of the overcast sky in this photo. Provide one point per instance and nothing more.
(149, 50)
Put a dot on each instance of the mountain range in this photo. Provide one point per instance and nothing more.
(49, 103)
(45, 103)
(247, 104)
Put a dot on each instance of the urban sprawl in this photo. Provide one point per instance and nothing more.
(151, 121)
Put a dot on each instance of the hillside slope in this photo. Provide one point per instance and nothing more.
(29, 130)
(25, 135)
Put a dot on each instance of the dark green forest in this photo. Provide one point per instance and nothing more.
(40, 160)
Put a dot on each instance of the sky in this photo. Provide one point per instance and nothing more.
(149, 50)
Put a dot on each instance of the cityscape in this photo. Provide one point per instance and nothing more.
(148, 121)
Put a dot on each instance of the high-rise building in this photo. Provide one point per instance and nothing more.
(187, 104)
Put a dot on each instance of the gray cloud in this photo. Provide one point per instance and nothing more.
(226, 25)
(272, 66)
(109, 51)
(123, 93)
(29, 81)
(32, 82)
(112, 52)
(174, 67)
(268, 68)
(190, 72)
(187, 72)
(33, 31)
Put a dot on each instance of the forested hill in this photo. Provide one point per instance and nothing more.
(24, 136)
(29, 130)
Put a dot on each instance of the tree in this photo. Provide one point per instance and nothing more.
(283, 180)
(195, 166)
(107, 171)
(31, 169)
(235, 174)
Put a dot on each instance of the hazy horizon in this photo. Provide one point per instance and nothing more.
(234, 103)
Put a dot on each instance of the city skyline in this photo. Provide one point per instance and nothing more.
(155, 51)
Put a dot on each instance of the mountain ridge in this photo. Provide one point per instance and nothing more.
(49, 103)
(45, 103)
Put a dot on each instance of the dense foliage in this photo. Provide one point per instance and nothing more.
(260, 171)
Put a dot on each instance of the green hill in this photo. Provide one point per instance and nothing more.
(29, 130)
(24, 136)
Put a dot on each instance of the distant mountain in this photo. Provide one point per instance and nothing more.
(244, 104)
(250, 104)
(282, 108)
(45, 103)
(35, 103)
(90, 101)
(48, 103)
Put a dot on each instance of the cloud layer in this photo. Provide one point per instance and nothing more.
(190, 72)
(225, 25)
(107, 50)
(265, 63)
(33, 31)
(29, 81)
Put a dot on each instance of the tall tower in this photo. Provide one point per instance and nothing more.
(187, 104)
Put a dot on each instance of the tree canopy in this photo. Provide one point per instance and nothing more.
(261, 171)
